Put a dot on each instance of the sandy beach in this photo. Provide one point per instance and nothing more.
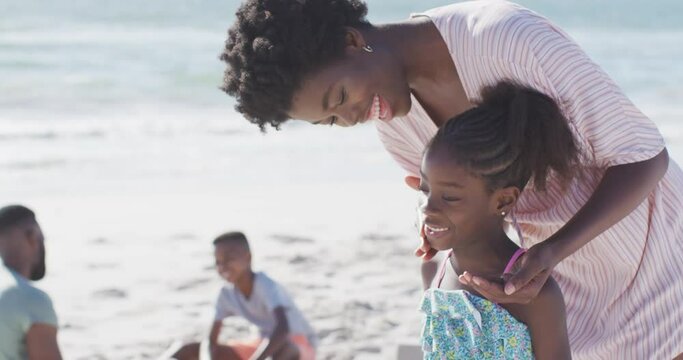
(130, 260)
(138, 280)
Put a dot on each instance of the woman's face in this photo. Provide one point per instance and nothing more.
(359, 87)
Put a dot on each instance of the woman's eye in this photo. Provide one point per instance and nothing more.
(342, 96)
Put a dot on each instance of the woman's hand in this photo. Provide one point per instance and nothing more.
(534, 268)
(425, 251)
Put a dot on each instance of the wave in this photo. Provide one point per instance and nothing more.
(51, 135)
(34, 165)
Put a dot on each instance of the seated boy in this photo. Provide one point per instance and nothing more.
(285, 334)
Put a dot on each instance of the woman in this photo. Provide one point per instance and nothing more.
(613, 237)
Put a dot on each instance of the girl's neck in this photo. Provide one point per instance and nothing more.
(486, 257)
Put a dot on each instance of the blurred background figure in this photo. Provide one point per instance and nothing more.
(28, 323)
(284, 332)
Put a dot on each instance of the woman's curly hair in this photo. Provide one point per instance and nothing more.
(274, 44)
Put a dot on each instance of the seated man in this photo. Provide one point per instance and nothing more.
(28, 323)
(285, 334)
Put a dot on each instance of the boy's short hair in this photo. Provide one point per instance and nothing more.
(15, 215)
(233, 237)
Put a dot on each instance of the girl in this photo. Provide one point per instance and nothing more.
(472, 173)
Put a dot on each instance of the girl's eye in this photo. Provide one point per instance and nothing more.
(450, 198)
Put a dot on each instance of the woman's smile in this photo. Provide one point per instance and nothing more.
(379, 109)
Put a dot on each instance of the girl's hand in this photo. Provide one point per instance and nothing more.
(425, 251)
(534, 267)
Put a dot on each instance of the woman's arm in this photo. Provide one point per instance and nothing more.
(621, 190)
(611, 133)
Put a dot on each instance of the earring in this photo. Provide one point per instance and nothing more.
(368, 49)
(502, 213)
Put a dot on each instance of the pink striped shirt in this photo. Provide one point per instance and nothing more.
(623, 289)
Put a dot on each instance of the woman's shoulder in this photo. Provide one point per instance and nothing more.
(480, 15)
(480, 28)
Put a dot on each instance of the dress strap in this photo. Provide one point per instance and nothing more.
(442, 271)
(513, 259)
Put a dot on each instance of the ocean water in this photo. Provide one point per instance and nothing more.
(100, 87)
(110, 112)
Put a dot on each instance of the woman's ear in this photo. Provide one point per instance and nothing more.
(354, 40)
(505, 199)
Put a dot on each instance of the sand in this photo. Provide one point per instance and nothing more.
(138, 277)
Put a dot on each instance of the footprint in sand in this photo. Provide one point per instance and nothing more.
(359, 305)
(369, 349)
(99, 241)
(302, 259)
(192, 284)
(102, 266)
(110, 294)
(374, 237)
(183, 237)
(339, 333)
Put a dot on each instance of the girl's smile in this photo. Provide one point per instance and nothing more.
(434, 232)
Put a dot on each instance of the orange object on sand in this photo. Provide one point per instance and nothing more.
(246, 348)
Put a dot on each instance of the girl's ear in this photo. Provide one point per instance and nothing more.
(504, 200)
(354, 39)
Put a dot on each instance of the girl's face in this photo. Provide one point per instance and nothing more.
(359, 87)
(458, 209)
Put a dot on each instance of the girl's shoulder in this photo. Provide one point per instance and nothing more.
(546, 321)
(548, 303)
(550, 294)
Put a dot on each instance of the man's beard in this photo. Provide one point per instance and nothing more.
(38, 270)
